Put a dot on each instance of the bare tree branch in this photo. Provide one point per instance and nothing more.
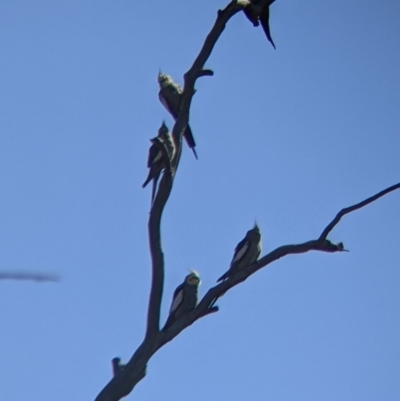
(322, 245)
(205, 73)
(219, 290)
(157, 256)
(197, 70)
(350, 209)
(135, 370)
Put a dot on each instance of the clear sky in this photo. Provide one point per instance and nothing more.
(288, 137)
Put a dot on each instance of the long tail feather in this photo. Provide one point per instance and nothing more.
(265, 25)
(223, 277)
(148, 179)
(188, 135)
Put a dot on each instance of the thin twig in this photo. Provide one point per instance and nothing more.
(350, 209)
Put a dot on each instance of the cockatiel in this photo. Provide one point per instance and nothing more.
(246, 253)
(156, 160)
(170, 95)
(184, 299)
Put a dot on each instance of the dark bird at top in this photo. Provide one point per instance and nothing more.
(256, 15)
(184, 299)
(170, 95)
(157, 159)
(246, 252)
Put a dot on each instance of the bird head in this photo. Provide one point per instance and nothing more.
(162, 78)
(163, 130)
(193, 278)
(254, 232)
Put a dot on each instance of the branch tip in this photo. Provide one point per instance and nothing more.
(205, 73)
(209, 311)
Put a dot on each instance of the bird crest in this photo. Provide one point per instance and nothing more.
(163, 129)
(255, 232)
(163, 79)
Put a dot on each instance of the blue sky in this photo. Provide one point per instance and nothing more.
(288, 137)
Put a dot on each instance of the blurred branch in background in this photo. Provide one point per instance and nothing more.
(29, 276)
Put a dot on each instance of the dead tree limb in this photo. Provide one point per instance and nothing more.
(124, 382)
(350, 209)
(135, 370)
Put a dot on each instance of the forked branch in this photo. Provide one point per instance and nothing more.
(321, 244)
(135, 370)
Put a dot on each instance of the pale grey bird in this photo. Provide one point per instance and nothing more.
(170, 95)
(246, 252)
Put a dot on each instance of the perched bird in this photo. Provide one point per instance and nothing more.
(117, 365)
(184, 299)
(170, 95)
(246, 253)
(257, 15)
(156, 160)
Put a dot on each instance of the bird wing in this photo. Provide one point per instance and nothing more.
(167, 104)
(240, 250)
(155, 155)
(169, 145)
(248, 12)
(259, 248)
(177, 299)
(264, 19)
(154, 189)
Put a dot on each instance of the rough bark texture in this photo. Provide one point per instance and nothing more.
(135, 370)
